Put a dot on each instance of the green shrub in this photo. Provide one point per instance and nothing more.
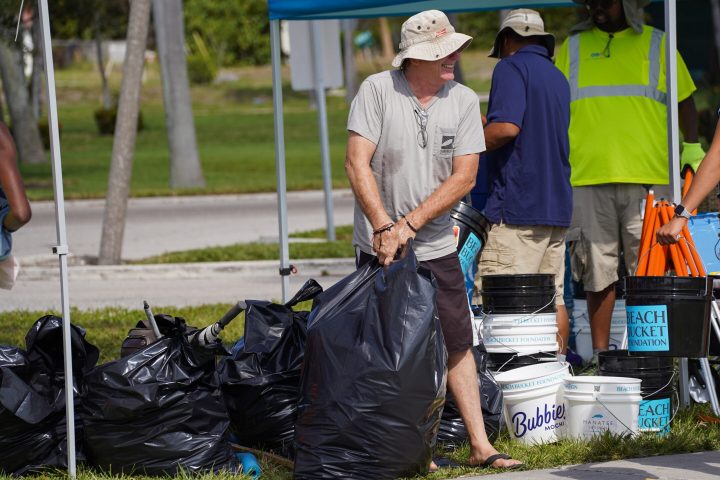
(201, 70)
(105, 119)
(44, 130)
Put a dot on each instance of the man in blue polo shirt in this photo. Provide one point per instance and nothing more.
(530, 197)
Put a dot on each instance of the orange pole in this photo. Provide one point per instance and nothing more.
(689, 176)
(648, 220)
(646, 241)
(679, 266)
(656, 266)
(693, 252)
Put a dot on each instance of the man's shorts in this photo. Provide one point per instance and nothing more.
(518, 249)
(607, 219)
(451, 299)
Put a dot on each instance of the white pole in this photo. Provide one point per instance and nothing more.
(319, 70)
(672, 98)
(280, 158)
(674, 144)
(61, 250)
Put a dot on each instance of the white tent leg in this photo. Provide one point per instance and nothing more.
(280, 158)
(62, 248)
(319, 69)
(672, 98)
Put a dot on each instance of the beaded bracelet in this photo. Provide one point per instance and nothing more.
(384, 228)
(407, 220)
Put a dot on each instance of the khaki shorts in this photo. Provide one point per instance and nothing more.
(515, 249)
(607, 219)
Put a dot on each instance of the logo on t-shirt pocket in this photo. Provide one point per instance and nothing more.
(447, 142)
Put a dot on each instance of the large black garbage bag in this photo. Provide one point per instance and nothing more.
(33, 431)
(452, 429)
(159, 410)
(261, 380)
(374, 376)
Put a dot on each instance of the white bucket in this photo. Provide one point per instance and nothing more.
(532, 402)
(597, 404)
(519, 320)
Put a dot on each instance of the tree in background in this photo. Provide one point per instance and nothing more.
(24, 124)
(185, 169)
(125, 134)
(237, 32)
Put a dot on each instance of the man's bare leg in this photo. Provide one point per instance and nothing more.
(462, 382)
(563, 324)
(600, 307)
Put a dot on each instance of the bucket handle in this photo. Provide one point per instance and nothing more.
(596, 397)
(672, 377)
(526, 317)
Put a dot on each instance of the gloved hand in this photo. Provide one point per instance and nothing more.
(249, 465)
(692, 155)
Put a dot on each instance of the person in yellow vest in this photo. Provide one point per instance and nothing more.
(618, 141)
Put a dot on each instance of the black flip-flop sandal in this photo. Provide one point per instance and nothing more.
(499, 456)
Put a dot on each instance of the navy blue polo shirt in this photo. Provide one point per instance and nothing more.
(529, 177)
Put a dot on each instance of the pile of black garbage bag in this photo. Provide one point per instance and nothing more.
(261, 378)
(159, 411)
(33, 432)
(373, 381)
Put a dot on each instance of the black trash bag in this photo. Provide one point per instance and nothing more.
(374, 376)
(159, 411)
(452, 432)
(261, 380)
(33, 430)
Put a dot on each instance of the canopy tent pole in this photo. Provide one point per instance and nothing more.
(319, 75)
(672, 98)
(61, 250)
(285, 268)
(674, 144)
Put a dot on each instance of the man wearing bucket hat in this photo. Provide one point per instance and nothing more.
(414, 140)
(618, 141)
(530, 200)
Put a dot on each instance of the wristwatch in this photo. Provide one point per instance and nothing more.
(681, 211)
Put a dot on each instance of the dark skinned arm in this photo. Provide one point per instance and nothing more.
(687, 115)
(12, 183)
(498, 134)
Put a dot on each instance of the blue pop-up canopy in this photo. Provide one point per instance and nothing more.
(324, 9)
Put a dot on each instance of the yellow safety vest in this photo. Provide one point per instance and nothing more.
(618, 113)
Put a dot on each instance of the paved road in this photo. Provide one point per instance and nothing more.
(158, 225)
(163, 224)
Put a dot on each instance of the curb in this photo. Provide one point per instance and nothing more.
(312, 267)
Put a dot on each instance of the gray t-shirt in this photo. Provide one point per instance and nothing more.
(386, 112)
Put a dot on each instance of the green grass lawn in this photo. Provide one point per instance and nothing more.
(234, 127)
(341, 248)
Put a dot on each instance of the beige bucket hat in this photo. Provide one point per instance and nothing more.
(429, 36)
(526, 23)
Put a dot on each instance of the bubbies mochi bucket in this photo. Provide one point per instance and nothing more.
(533, 404)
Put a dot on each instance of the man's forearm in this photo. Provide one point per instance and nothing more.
(447, 195)
(362, 180)
(499, 134)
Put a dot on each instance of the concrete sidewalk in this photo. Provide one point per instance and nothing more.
(689, 466)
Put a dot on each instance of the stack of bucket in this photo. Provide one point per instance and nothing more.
(518, 319)
(657, 376)
(581, 328)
